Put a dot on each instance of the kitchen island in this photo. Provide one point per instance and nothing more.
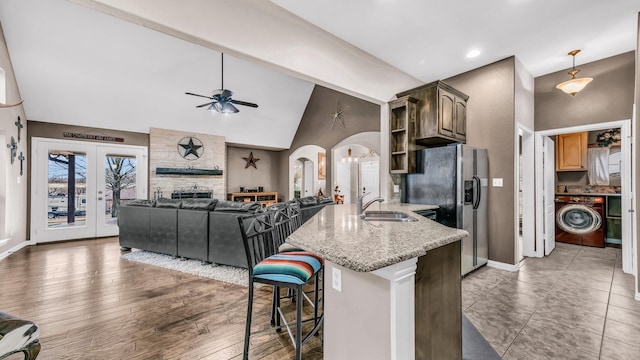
(392, 289)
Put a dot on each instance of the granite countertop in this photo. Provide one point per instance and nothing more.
(338, 234)
(588, 194)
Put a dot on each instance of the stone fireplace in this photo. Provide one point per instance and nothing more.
(186, 174)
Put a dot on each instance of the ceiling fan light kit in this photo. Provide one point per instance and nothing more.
(221, 98)
(574, 86)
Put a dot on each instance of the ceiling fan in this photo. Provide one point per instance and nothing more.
(221, 98)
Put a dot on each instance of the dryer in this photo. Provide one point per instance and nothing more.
(580, 220)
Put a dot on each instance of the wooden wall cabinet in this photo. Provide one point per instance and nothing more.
(442, 115)
(264, 198)
(402, 123)
(571, 152)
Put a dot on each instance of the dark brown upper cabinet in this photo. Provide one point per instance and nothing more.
(442, 117)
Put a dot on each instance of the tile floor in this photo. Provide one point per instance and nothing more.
(574, 304)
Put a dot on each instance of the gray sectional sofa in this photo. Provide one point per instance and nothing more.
(202, 229)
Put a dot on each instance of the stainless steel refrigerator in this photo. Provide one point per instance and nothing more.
(455, 177)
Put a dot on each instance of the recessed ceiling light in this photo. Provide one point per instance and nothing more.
(473, 53)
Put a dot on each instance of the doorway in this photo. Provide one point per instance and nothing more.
(629, 238)
(78, 187)
(357, 172)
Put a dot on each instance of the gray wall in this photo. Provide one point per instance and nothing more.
(315, 128)
(608, 97)
(491, 125)
(266, 174)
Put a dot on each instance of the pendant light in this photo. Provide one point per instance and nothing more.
(574, 85)
(349, 158)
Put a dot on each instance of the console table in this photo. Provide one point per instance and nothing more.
(264, 198)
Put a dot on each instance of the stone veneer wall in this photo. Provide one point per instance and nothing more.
(163, 152)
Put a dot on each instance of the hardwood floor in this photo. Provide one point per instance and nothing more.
(91, 304)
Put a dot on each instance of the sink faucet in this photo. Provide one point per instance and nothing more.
(361, 207)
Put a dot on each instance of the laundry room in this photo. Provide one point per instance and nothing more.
(588, 188)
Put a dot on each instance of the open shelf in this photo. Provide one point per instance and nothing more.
(264, 198)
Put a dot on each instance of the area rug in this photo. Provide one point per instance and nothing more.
(229, 274)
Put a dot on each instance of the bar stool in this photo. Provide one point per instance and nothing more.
(17, 335)
(266, 266)
(288, 218)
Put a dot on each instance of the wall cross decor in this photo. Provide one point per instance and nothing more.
(19, 126)
(13, 147)
(251, 161)
(21, 158)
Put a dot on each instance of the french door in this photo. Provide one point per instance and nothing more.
(78, 187)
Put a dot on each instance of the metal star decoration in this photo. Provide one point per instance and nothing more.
(251, 161)
(337, 115)
(190, 148)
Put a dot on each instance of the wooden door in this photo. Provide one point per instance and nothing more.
(446, 103)
(460, 119)
(571, 152)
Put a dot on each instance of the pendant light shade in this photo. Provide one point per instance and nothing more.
(574, 85)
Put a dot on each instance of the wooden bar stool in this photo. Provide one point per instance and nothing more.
(266, 266)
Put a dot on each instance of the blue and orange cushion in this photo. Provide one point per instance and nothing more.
(295, 267)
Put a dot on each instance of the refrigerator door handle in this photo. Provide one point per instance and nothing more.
(479, 192)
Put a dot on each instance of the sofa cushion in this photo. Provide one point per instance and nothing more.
(142, 203)
(199, 204)
(307, 201)
(235, 206)
(281, 205)
(169, 203)
(325, 200)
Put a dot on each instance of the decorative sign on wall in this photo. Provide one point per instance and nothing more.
(251, 161)
(190, 148)
(92, 137)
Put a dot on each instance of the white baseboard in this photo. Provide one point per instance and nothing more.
(16, 248)
(503, 266)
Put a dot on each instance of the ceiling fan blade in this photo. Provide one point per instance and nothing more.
(207, 104)
(244, 103)
(208, 97)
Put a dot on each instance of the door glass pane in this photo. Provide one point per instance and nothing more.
(120, 185)
(67, 185)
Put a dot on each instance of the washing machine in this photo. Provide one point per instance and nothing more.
(580, 220)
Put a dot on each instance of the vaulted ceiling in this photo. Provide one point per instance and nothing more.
(79, 66)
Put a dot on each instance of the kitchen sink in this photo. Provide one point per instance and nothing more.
(395, 216)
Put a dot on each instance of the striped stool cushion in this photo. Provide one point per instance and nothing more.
(293, 267)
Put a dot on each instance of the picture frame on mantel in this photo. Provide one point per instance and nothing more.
(322, 165)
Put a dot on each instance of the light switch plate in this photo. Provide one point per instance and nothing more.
(396, 188)
(337, 279)
(497, 182)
